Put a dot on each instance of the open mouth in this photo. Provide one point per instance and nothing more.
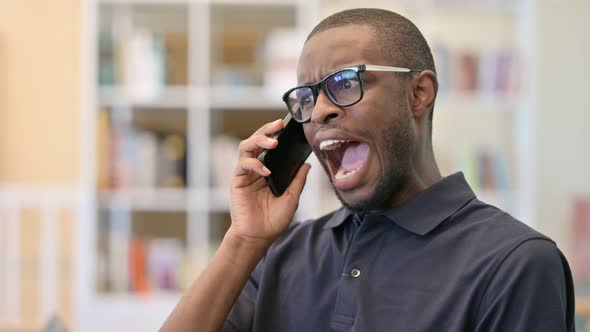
(344, 158)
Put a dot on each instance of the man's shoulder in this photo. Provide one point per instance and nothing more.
(485, 223)
(489, 237)
(524, 267)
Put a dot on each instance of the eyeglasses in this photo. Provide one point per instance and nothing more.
(343, 88)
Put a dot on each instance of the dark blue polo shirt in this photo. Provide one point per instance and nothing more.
(444, 261)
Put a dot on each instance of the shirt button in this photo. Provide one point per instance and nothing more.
(355, 273)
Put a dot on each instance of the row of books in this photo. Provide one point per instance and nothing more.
(139, 265)
(131, 158)
(463, 71)
(485, 170)
(151, 253)
(135, 158)
(142, 61)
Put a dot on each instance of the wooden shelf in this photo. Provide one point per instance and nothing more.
(245, 97)
(164, 199)
(146, 199)
(167, 97)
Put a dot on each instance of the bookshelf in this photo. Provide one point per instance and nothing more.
(172, 88)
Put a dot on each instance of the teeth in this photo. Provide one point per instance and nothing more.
(331, 144)
(342, 174)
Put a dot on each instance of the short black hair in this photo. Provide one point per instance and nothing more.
(399, 37)
(401, 40)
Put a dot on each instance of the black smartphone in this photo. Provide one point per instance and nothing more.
(285, 160)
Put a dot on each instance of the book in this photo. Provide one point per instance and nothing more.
(138, 281)
(103, 144)
(581, 239)
(165, 263)
(142, 64)
(106, 61)
(466, 72)
(504, 72)
(171, 161)
(176, 67)
(118, 165)
(145, 163)
(118, 246)
(485, 169)
(141, 159)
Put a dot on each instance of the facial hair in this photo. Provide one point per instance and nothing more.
(396, 164)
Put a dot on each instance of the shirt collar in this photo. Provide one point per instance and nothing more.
(338, 218)
(425, 211)
(433, 206)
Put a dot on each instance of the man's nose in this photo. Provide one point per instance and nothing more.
(325, 111)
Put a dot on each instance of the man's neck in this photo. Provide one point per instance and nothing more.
(424, 174)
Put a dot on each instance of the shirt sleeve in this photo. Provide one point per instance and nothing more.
(532, 290)
(241, 316)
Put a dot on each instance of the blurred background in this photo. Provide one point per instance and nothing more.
(119, 122)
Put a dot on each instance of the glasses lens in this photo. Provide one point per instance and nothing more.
(301, 102)
(344, 87)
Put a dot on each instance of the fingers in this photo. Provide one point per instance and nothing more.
(270, 128)
(249, 168)
(246, 165)
(296, 187)
(252, 146)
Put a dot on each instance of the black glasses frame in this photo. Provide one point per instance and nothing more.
(321, 85)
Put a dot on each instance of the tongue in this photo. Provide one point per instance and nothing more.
(354, 156)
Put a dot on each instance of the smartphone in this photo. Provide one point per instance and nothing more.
(285, 160)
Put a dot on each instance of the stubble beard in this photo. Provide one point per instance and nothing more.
(395, 170)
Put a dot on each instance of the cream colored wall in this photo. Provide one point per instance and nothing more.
(39, 91)
(39, 132)
(562, 114)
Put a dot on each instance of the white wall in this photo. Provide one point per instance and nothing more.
(562, 119)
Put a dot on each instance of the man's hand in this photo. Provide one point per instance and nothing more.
(258, 217)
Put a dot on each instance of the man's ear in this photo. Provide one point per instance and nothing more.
(424, 89)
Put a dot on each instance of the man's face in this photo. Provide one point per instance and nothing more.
(366, 149)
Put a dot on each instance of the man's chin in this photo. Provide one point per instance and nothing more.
(357, 201)
(368, 199)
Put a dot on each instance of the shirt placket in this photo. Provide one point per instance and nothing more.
(348, 292)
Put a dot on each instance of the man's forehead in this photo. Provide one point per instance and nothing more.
(335, 48)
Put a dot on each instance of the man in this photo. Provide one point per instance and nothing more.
(410, 250)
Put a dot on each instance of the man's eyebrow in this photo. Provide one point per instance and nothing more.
(322, 77)
(328, 73)
(306, 83)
